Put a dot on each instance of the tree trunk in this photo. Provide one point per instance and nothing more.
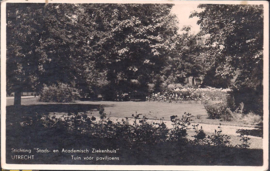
(231, 113)
(17, 98)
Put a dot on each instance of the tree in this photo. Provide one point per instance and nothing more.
(65, 43)
(124, 42)
(137, 40)
(23, 32)
(80, 44)
(236, 35)
(189, 58)
(41, 43)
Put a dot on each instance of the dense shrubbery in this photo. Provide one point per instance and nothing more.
(59, 93)
(139, 140)
(253, 99)
(130, 132)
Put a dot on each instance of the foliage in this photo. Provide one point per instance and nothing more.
(216, 110)
(173, 153)
(23, 62)
(130, 45)
(59, 93)
(236, 40)
(187, 94)
(187, 60)
(116, 42)
(251, 118)
(132, 132)
(213, 80)
(212, 94)
(200, 134)
(179, 131)
(216, 139)
(252, 99)
(245, 141)
(23, 35)
(143, 137)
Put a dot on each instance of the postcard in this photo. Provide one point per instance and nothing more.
(134, 85)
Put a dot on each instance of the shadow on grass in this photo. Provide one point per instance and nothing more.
(58, 138)
(254, 132)
(17, 114)
(27, 110)
(258, 132)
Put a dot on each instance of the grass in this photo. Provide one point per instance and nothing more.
(161, 154)
(153, 110)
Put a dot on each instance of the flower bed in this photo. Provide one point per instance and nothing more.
(191, 94)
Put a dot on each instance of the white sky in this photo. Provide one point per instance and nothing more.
(183, 11)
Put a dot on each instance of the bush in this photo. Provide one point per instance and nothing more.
(252, 119)
(130, 132)
(253, 99)
(216, 139)
(200, 134)
(59, 93)
(136, 133)
(216, 111)
(179, 131)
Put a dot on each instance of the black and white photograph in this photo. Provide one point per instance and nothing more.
(163, 85)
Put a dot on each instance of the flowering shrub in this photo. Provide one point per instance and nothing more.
(196, 94)
(59, 93)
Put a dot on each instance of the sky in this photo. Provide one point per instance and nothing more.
(183, 11)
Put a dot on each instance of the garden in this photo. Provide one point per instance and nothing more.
(139, 130)
(119, 84)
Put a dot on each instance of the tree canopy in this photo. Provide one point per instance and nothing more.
(23, 32)
(79, 44)
(120, 48)
(236, 40)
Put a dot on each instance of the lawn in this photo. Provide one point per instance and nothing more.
(171, 153)
(153, 110)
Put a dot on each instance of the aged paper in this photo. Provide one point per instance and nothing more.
(134, 85)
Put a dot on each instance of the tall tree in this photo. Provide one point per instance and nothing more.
(137, 40)
(236, 33)
(189, 58)
(23, 34)
(80, 43)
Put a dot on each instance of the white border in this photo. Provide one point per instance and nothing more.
(134, 167)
